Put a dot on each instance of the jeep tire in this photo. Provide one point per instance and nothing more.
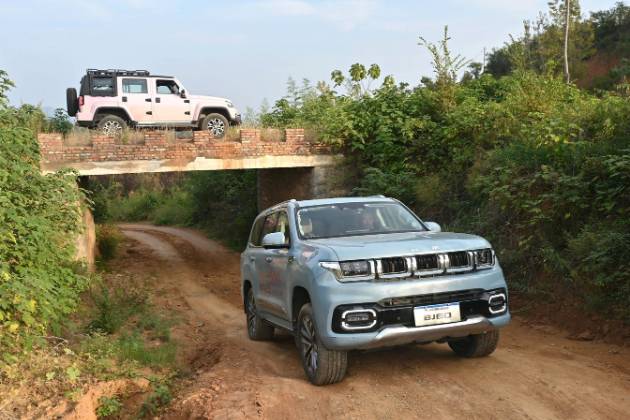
(215, 124)
(72, 102)
(111, 125)
(322, 366)
(476, 345)
(257, 329)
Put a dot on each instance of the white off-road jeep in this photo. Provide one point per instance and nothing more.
(111, 100)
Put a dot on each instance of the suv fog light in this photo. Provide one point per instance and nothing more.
(358, 319)
(497, 303)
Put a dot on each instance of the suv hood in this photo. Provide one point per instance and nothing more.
(399, 244)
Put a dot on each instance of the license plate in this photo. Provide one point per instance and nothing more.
(436, 314)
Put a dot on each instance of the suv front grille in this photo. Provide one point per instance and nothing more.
(393, 265)
(427, 262)
(459, 259)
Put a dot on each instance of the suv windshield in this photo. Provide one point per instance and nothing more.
(351, 219)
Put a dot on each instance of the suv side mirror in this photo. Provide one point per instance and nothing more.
(274, 240)
(433, 227)
(183, 93)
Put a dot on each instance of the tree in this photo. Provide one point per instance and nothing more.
(567, 8)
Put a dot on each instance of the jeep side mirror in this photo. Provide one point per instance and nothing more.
(433, 227)
(274, 240)
(183, 93)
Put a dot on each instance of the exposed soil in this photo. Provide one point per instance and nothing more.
(537, 372)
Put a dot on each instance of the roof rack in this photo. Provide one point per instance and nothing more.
(117, 72)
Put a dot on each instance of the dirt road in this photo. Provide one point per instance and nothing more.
(535, 373)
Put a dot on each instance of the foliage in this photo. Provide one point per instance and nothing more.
(160, 397)
(107, 240)
(39, 219)
(108, 406)
(59, 122)
(612, 29)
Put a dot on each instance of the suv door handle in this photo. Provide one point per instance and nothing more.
(186, 101)
(268, 259)
(147, 100)
(157, 100)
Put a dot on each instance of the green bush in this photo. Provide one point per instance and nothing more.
(108, 406)
(39, 220)
(108, 238)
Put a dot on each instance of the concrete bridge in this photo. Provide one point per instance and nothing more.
(289, 164)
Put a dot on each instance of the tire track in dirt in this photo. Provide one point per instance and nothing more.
(533, 374)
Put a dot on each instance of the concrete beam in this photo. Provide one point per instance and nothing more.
(197, 164)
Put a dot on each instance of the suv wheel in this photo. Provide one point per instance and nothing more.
(257, 329)
(216, 124)
(322, 366)
(111, 125)
(476, 345)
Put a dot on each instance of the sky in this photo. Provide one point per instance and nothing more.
(243, 50)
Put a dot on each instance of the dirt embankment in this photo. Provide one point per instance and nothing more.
(535, 373)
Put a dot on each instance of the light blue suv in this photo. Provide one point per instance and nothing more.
(359, 273)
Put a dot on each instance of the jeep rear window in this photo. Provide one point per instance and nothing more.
(354, 219)
(102, 86)
(134, 86)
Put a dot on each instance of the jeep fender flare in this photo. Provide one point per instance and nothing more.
(205, 110)
(107, 110)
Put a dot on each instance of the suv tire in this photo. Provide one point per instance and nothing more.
(112, 125)
(257, 329)
(215, 124)
(476, 345)
(322, 366)
(72, 102)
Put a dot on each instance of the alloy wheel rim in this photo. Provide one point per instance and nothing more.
(112, 128)
(216, 126)
(310, 351)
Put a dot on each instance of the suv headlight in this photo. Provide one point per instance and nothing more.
(347, 271)
(484, 258)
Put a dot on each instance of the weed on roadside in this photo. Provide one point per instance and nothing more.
(160, 397)
(108, 407)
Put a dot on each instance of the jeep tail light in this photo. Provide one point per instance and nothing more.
(80, 101)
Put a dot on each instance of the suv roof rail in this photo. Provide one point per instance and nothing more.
(117, 72)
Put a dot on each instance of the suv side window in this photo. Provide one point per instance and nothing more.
(134, 86)
(256, 236)
(166, 87)
(270, 224)
(282, 225)
(102, 86)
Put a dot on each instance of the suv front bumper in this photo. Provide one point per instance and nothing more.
(394, 311)
(399, 335)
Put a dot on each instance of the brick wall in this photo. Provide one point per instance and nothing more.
(158, 145)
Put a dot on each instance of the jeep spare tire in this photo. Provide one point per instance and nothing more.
(112, 125)
(72, 101)
(215, 124)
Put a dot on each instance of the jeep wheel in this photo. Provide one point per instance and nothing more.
(322, 366)
(111, 125)
(476, 345)
(72, 103)
(216, 124)
(257, 329)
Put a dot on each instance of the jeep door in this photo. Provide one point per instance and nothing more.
(170, 108)
(136, 98)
